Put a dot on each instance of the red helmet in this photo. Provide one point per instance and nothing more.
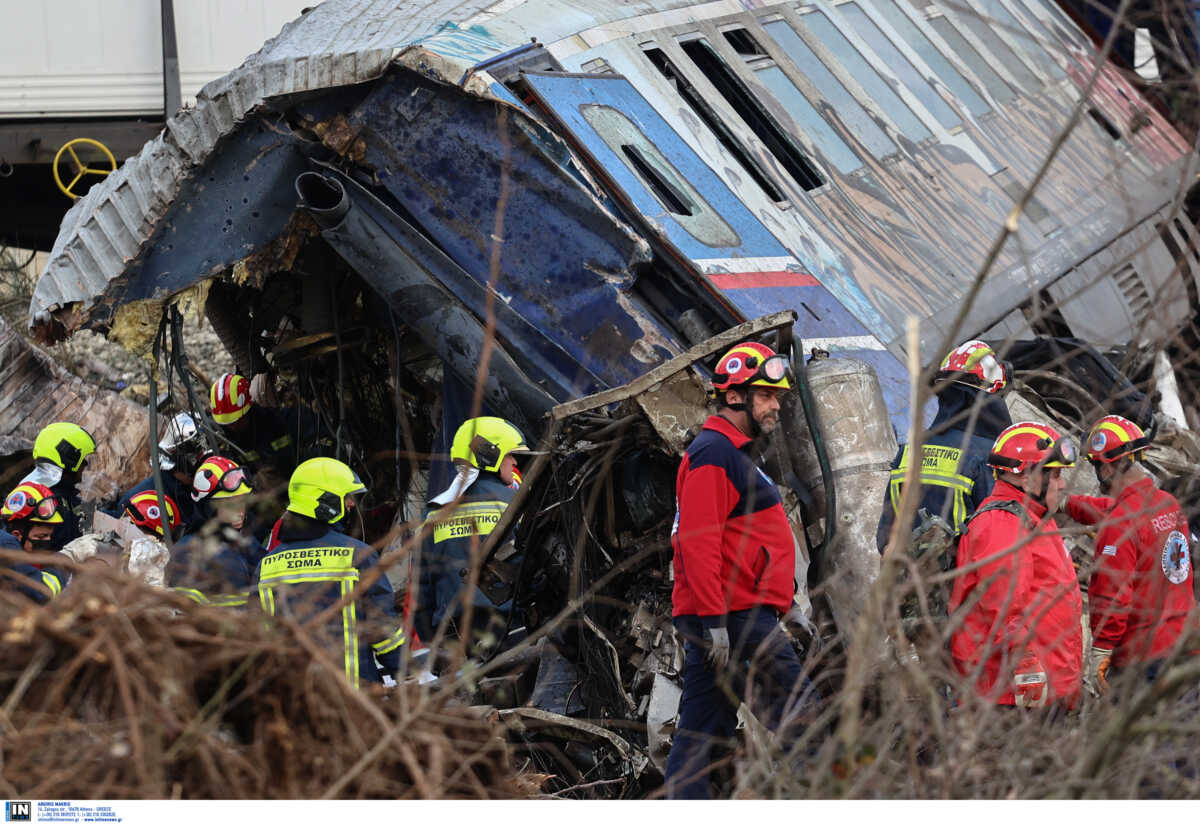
(144, 512)
(1028, 445)
(229, 398)
(751, 364)
(975, 364)
(1113, 437)
(220, 477)
(33, 502)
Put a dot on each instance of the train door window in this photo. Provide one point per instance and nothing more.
(943, 68)
(986, 31)
(793, 101)
(874, 85)
(717, 125)
(992, 81)
(909, 75)
(679, 197)
(778, 142)
(1004, 20)
(861, 124)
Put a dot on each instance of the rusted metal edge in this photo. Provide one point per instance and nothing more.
(658, 374)
(675, 365)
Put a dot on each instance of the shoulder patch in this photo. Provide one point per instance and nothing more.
(1176, 558)
(1109, 549)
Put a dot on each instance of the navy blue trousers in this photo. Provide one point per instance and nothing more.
(764, 672)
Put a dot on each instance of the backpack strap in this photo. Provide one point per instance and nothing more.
(1007, 506)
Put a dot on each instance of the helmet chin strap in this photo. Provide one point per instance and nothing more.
(755, 429)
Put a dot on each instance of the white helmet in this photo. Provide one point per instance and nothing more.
(181, 430)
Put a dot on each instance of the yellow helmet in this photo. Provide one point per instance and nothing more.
(66, 445)
(318, 489)
(485, 442)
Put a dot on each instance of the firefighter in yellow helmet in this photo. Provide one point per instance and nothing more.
(60, 453)
(484, 453)
(314, 566)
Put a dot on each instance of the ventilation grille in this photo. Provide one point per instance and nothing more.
(1136, 296)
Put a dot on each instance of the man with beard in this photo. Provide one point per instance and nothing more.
(734, 561)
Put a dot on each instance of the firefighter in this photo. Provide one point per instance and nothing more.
(262, 434)
(1021, 635)
(215, 565)
(734, 561)
(954, 475)
(60, 453)
(1140, 591)
(180, 451)
(314, 566)
(31, 514)
(484, 453)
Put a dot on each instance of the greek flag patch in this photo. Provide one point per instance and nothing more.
(1109, 549)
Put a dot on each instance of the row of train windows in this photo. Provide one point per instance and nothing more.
(784, 40)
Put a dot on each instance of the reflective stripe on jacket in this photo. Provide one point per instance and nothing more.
(303, 578)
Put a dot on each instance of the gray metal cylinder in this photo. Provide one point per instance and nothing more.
(861, 445)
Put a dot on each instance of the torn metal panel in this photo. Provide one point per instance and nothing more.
(466, 169)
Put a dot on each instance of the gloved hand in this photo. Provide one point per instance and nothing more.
(1029, 682)
(717, 656)
(1095, 675)
(799, 627)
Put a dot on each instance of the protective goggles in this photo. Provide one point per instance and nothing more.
(1062, 452)
(772, 370)
(229, 482)
(44, 509)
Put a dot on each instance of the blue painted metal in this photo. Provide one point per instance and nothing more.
(564, 264)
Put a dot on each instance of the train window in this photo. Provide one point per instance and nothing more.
(981, 25)
(638, 152)
(872, 83)
(909, 75)
(1005, 21)
(994, 83)
(778, 142)
(861, 124)
(809, 119)
(793, 100)
(943, 68)
(728, 140)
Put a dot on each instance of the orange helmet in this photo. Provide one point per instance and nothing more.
(33, 502)
(144, 512)
(1028, 445)
(1113, 437)
(975, 364)
(229, 398)
(751, 364)
(220, 477)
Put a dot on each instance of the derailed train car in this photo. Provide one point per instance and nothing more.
(559, 213)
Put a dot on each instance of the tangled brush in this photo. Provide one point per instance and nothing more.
(119, 690)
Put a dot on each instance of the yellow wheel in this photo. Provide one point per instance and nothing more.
(68, 155)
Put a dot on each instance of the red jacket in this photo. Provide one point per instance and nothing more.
(734, 548)
(1023, 601)
(1140, 591)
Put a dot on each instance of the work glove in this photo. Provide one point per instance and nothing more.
(797, 625)
(1095, 676)
(717, 656)
(1029, 682)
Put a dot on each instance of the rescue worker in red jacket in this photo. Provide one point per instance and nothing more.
(1140, 591)
(734, 560)
(1021, 640)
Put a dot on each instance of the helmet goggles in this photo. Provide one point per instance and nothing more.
(1058, 453)
(229, 482)
(22, 504)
